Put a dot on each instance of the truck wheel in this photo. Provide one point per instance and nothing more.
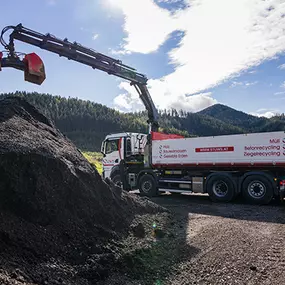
(257, 189)
(147, 185)
(221, 188)
(117, 180)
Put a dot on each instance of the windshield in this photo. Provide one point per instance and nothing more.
(111, 146)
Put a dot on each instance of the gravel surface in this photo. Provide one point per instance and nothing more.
(218, 244)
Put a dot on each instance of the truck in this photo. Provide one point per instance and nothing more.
(221, 166)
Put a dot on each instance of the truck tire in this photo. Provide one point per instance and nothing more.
(147, 185)
(117, 180)
(257, 189)
(221, 188)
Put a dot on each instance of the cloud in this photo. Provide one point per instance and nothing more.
(193, 103)
(95, 36)
(221, 39)
(267, 113)
(245, 84)
(282, 66)
(279, 93)
(168, 1)
(147, 25)
(282, 85)
(130, 101)
(236, 83)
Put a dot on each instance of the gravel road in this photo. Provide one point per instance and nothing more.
(220, 244)
(236, 243)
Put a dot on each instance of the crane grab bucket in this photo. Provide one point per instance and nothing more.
(34, 69)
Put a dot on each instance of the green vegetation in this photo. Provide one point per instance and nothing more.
(87, 123)
(95, 158)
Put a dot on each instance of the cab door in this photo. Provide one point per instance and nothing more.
(112, 155)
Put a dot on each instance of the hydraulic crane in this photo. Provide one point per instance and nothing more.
(33, 66)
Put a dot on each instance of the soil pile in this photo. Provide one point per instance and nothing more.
(56, 213)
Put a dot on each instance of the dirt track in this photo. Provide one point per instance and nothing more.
(216, 244)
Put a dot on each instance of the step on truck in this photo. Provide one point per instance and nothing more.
(222, 166)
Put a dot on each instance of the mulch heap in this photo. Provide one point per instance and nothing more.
(60, 223)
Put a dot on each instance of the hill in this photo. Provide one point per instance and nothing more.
(87, 123)
(230, 115)
(247, 122)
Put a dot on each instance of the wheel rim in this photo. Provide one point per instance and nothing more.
(220, 189)
(256, 189)
(146, 186)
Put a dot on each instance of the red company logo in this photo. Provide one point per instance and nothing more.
(215, 149)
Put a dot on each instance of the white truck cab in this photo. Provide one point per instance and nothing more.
(116, 147)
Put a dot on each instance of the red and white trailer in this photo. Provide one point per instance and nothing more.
(230, 151)
(222, 166)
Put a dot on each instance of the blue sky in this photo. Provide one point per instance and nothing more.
(195, 54)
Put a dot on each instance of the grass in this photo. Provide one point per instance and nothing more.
(94, 158)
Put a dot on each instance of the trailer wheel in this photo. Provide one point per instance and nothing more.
(147, 185)
(257, 189)
(221, 188)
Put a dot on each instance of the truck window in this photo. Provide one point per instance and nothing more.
(112, 146)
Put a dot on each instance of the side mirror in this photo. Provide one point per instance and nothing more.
(34, 69)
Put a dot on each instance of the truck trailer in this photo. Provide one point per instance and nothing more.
(221, 166)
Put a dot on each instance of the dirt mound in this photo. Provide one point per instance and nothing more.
(54, 205)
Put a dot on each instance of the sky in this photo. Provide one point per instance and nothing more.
(195, 53)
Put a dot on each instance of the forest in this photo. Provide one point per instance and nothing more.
(87, 123)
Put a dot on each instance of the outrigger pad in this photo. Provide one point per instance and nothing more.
(35, 69)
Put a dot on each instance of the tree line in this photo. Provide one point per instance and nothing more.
(87, 123)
